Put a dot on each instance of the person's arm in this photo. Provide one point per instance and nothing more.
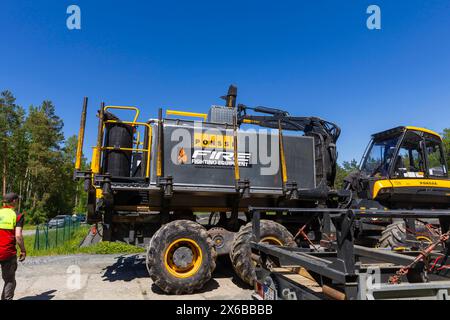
(19, 238)
(20, 242)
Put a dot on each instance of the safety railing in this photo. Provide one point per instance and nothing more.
(55, 233)
(138, 145)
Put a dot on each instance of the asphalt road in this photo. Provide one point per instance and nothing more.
(116, 277)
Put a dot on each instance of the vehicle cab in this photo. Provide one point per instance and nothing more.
(406, 167)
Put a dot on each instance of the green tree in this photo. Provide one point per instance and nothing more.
(37, 162)
(343, 171)
(18, 157)
(45, 162)
(11, 119)
(76, 198)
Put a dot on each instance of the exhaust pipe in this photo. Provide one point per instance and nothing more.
(230, 98)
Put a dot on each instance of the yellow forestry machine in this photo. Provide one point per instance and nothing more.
(388, 238)
(402, 168)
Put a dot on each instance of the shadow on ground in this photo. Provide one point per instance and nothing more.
(48, 295)
(209, 286)
(225, 269)
(126, 268)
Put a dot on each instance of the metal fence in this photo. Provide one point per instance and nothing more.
(56, 233)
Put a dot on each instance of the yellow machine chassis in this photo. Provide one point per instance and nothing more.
(408, 183)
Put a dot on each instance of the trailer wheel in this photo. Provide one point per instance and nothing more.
(241, 256)
(394, 236)
(181, 257)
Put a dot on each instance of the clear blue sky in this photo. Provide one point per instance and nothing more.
(313, 58)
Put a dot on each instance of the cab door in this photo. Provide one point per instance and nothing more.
(436, 162)
(409, 161)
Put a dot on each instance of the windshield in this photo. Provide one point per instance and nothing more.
(379, 157)
(409, 161)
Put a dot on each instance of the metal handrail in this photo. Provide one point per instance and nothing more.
(137, 111)
(148, 151)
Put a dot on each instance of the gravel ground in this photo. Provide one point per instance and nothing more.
(105, 277)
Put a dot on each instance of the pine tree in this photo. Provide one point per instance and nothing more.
(37, 162)
(44, 162)
(77, 196)
(10, 122)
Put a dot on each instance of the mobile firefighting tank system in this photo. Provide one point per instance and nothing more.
(181, 184)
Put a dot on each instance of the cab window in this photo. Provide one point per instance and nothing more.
(379, 157)
(436, 161)
(409, 162)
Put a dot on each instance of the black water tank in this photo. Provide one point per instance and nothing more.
(118, 135)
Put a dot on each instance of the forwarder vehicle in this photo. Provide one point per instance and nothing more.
(402, 168)
(399, 199)
(151, 179)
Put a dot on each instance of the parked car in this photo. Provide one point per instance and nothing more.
(58, 221)
(79, 218)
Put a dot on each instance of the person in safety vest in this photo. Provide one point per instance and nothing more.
(11, 224)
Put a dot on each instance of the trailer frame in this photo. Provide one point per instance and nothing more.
(339, 264)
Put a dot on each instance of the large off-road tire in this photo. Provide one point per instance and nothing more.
(181, 257)
(394, 236)
(241, 255)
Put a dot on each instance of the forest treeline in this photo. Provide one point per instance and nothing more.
(37, 160)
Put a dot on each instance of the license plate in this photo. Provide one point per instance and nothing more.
(269, 293)
(265, 292)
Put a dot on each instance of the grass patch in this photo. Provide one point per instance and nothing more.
(111, 248)
(202, 214)
(29, 227)
(72, 246)
(68, 247)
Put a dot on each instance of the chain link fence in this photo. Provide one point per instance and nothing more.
(56, 232)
